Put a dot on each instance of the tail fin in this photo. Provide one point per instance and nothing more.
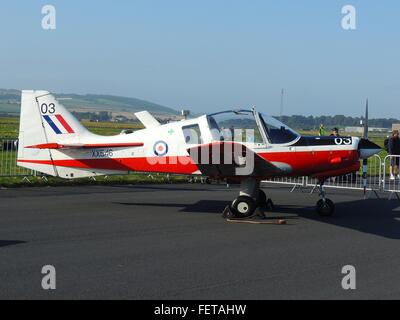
(42, 121)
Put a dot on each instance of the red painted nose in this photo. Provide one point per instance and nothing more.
(336, 160)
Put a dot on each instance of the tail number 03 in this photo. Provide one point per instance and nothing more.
(48, 108)
(343, 141)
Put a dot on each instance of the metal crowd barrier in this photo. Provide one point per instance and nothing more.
(353, 181)
(391, 184)
(8, 160)
(295, 182)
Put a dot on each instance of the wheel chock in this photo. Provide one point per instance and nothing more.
(257, 218)
(274, 222)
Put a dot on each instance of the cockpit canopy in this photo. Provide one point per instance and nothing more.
(249, 127)
(276, 131)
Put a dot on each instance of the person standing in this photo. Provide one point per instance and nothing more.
(394, 151)
(322, 131)
(335, 132)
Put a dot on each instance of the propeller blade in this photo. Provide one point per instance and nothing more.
(366, 149)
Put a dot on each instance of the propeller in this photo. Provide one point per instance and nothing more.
(365, 160)
(366, 149)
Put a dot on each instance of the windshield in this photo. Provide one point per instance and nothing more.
(277, 132)
(238, 126)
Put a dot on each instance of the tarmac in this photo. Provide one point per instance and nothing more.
(170, 242)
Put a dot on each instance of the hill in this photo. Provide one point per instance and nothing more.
(10, 103)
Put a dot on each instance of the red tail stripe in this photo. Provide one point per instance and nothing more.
(64, 123)
(85, 146)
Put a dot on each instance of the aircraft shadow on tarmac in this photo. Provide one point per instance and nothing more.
(176, 187)
(373, 216)
(202, 206)
(6, 243)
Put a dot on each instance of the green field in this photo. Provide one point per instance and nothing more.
(9, 127)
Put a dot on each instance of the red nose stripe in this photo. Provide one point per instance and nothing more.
(64, 123)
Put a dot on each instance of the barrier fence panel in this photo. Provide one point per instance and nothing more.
(391, 183)
(349, 181)
(8, 160)
(355, 180)
(292, 181)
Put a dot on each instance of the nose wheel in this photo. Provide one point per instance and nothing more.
(325, 207)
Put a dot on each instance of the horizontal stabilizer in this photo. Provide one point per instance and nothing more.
(85, 146)
(147, 119)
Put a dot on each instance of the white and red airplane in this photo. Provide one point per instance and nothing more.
(241, 145)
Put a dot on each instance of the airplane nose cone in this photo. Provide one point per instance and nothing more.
(368, 148)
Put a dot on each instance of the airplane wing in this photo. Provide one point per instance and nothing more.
(85, 146)
(230, 159)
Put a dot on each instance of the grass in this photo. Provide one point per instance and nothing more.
(9, 127)
(110, 128)
(134, 178)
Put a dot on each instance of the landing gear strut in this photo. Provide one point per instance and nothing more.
(325, 207)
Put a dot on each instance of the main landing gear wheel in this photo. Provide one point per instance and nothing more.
(325, 207)
(243, 207)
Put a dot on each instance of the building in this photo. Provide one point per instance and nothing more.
(370, 129)
(396, 126)
(354, 129)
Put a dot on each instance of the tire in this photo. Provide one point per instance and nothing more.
(243, 207)
(325, 208)
(261, 199)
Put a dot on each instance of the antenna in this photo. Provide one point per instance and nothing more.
(281, 108)
(185, 113)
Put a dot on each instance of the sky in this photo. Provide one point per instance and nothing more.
(210, 55)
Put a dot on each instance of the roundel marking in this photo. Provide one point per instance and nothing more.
(160, 148)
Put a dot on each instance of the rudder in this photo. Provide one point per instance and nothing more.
(44, 120)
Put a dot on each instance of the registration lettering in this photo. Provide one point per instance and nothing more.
(102, 153)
